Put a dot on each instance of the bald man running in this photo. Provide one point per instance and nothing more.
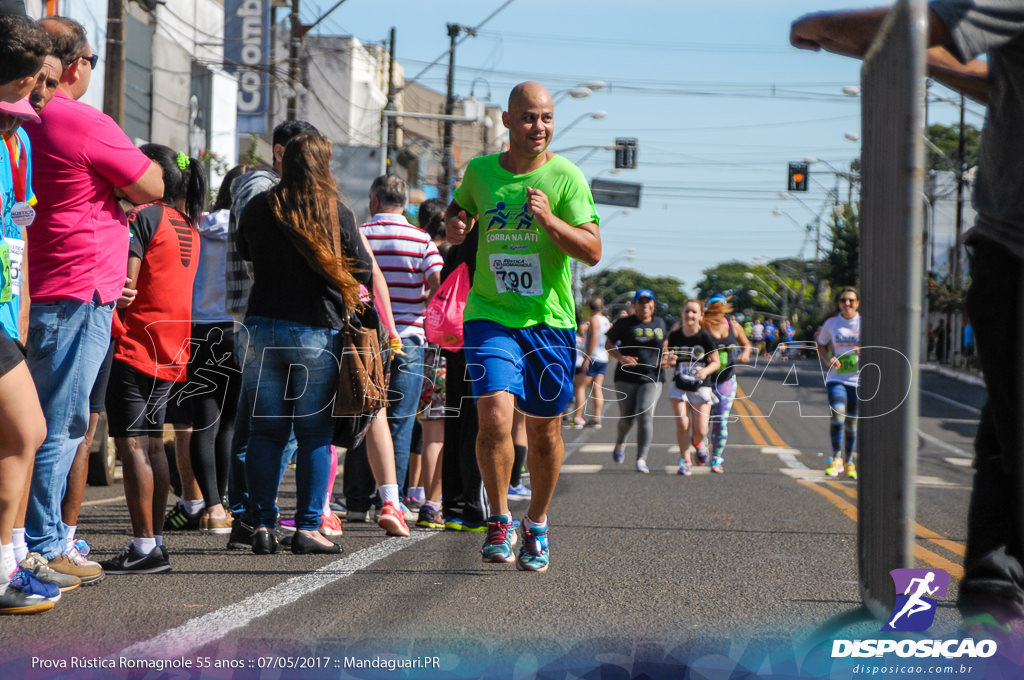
(534, 210)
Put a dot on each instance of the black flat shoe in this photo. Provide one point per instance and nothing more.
(264, 543)
(304, 545)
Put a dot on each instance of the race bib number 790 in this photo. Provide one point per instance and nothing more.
(517, 273)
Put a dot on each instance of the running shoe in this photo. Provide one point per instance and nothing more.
(595, 424)
(339, 509)
(25, 581)
(717, 464)
(409, 515)
(835, 467)
(851, 471)
(430, 518)
(459, 524)
(533, 556)
(578, 423)
(702, 454)
(357, 516)
(619, 453)
(178, 519)
(392, 520)
(501, 536)
(641, 466)
(684, 468)
(519, 492)
(330, 526)
(131, 561)
(35, 564)
(14, 601)
(412, 503)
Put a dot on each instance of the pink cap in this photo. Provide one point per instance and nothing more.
(21, 109)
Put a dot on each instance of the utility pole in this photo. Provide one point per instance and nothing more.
(959, 198)
(449, 108)
(113, 72)
(389, 120)
(294, 68)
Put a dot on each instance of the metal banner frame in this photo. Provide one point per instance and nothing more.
(892, 233)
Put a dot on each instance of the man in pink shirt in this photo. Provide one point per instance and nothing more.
(77, 259)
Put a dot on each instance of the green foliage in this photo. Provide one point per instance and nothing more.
(764, 291)
(947, 139)
(251, 156)
(946, 297)
(616, 288)
(841, 266)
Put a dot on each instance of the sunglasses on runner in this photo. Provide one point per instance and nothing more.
(92, 59)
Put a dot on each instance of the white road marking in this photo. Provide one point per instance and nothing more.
(959, 462)
(581, 469)
(201, 631)
(953, 402)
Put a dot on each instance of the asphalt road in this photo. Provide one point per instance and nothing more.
(658, 568)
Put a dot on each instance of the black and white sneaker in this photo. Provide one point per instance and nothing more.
(131, 561)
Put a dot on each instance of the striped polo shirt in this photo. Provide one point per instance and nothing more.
(407, 256)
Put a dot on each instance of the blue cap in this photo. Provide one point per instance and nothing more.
(643, 293)
(717, 297)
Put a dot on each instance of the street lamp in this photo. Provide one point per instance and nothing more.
(581, 91)
(784, 299)
(595, 115)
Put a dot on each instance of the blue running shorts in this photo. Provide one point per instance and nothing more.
(535, 364)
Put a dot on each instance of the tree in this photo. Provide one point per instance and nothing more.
(617, 286)
(946, 138)
(841, 266)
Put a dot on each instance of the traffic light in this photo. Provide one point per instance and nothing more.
(625, 153)
(798, 176)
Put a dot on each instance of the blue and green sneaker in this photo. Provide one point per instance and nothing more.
(533, 556)
(501, 536)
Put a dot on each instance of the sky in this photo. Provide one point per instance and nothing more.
(717, 99)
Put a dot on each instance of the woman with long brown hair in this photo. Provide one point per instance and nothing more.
(302, 294)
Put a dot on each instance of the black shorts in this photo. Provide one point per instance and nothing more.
(179, 406)
(136, 402)
(98, 396)
(10, 354)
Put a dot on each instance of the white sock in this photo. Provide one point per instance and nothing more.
(417, 493)
(20, 546)
(10, 565)
(70, 540)
(530, 524)
(194, 507)
(388, 493)
(144, 546)
(159, 540)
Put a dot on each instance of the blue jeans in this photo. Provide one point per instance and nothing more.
(844, 405)
(238, 489)
(291, 375)
(67, 342)
(403, 401)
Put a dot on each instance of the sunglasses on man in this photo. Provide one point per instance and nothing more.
(92, 60)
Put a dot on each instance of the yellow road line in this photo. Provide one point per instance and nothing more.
(920, 552)
(758, 417)
(748, 423)
(921, 532)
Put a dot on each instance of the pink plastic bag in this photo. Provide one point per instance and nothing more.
(443, 321)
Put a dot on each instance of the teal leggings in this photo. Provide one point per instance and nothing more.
(726, 392)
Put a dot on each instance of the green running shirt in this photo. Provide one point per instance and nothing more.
(522, 278)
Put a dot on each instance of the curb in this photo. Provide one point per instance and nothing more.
(962, 376)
